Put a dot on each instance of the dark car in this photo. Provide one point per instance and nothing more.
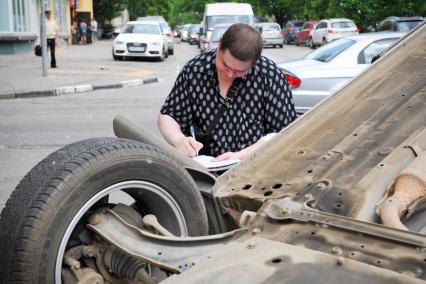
(110, 31)
(291, 29)
(399, 24)
(194, 34)
(303, 34)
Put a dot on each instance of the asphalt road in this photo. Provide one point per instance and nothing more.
(30, 129)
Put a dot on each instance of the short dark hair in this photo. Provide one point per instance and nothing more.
(243, 42)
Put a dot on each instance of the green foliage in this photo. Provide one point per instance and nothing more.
(106, 10)
(139, 8)
(365, 13)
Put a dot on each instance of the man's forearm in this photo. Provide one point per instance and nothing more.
(170, 129)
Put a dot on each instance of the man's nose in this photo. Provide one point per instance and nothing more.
(230, 74)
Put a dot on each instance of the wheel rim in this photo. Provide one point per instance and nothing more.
(149, 190)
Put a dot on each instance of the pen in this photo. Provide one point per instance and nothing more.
(193, 136)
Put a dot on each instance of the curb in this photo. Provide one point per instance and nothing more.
(79, 89)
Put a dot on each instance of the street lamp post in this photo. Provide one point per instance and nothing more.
(43, 39)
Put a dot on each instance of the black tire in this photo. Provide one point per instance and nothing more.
(162, 56)
(310, 43)
(171, 51)
(115, 57)
(324, 41)
(53, 194)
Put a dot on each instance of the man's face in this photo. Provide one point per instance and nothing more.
(230, 66)
(48, 15)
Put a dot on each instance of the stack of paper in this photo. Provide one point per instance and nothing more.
(207, 161)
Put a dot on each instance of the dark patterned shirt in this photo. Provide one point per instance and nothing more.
(263, 105)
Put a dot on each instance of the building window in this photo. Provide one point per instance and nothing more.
(61, 15)
(19, 16)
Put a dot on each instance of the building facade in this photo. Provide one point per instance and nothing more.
(20, 21)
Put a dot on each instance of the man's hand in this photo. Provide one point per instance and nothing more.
(189, 146)
(229, 156)
(240, 154)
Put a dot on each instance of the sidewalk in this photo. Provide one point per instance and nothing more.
(81, 68)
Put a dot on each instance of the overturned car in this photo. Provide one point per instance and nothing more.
(336, 197)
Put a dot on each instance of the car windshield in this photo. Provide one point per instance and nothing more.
(331, 50)
(215, 20)
(141, 29)
(195, 29)
(406, 26)
(343, 25)
(218, 33)
(298, 24)
(367, 54)
(270, 27)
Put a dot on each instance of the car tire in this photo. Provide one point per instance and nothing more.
(281, 45)
(162, 56)
(310, 43)
(171, 51)
(50, 206)
(115, 57)
(324, 41)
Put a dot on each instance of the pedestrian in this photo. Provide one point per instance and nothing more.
(83, 32)
(94, 29)
(52, 34)
(233, 95)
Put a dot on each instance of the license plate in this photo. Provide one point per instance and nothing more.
(137, 48)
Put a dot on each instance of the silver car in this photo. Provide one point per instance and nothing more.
(217, 34)
(272, 34)
(330, 67)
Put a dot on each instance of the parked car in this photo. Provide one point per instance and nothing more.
(399, 24)
(165, 30)
(184, 32)
(330, 67)
(194, 34)
(217, 34)
(290, 30)
(140, 39)
(303, 34)
(331, 29)
(272, 35)
(335, 197)
(110, 31)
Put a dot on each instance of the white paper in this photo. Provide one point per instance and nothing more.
(207, 161)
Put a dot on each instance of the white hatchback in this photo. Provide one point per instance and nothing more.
(328, 30)
(140, 39)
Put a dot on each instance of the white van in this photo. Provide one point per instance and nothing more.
(224, 13)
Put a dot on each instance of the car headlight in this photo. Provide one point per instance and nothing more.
(157, 43)
(118, 42)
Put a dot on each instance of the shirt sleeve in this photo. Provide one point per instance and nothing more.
(279, 106)
(177, 104)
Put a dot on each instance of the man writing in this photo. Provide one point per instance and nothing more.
(51, 33)
(239, 112)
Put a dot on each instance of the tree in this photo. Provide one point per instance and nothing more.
(138, 8)
(106, 10)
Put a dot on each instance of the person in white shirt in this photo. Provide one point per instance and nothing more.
(52, 33)
(94, 29)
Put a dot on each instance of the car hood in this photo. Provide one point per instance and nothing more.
(139, 37)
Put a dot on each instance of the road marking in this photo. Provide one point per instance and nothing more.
(137, 73)
(141, 72)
